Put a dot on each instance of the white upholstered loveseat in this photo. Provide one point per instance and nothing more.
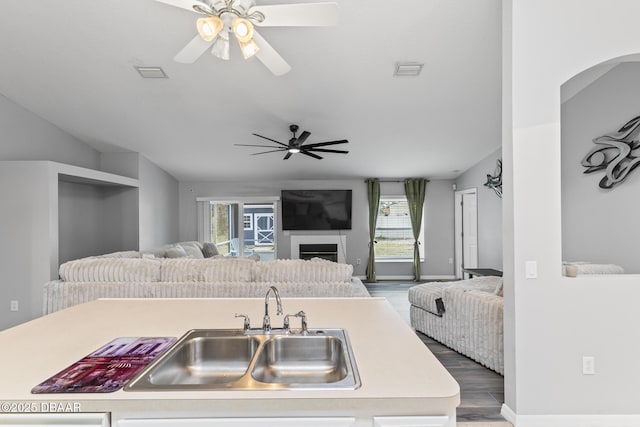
(92, 278)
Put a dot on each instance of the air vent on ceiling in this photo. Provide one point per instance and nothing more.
(408, 69)
(152, 72)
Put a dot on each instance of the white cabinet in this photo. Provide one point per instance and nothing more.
(431, 421)
(59, 420)
(406, 421)
(239, 422)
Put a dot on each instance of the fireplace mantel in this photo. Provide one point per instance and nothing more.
(341, 241)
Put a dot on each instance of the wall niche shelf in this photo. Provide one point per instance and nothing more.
(54, 212)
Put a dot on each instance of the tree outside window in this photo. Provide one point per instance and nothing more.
(393, 230)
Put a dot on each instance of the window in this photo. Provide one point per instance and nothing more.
(248, 221)
(393, 230)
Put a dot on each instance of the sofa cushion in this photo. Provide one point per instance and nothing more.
(111, 270)
(181, 270)
(121, 254)
(299, 270)
(192, 249)
(228, 269)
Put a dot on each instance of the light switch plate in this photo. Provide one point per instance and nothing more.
(588, 365)
(531, 270)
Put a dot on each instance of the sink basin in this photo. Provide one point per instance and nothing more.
(229, 359)
(204, 359)
(301, 360)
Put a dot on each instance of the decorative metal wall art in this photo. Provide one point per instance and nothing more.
(495, 181)
(615, 153)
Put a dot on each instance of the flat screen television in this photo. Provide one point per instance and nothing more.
(316, 209)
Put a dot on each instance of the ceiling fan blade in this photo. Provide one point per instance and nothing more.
(289, 154)
(272, 140)
(322, 144)
(269, 57)
(298, 15)
(271, 151)
(254, 145)
(193, 50)
(307, 153)
(302, 138)
(184, 4)
(323, 150)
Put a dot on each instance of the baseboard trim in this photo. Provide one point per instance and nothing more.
(410, 278)
(569, 420)
(508, 414)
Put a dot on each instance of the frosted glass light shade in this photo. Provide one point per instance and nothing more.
(248, 49)
(209, 27)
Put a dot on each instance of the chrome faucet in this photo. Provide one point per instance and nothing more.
(304, 329)
(266, 323)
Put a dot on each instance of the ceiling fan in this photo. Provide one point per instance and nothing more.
(221, 18)
(296, 145)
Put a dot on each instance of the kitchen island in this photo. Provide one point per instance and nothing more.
(403, 384)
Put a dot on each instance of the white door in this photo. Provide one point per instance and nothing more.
(466, 230)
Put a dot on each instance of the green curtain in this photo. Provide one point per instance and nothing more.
(373, 195)
(414, 188)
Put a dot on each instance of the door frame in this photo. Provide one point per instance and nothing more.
(458, 227)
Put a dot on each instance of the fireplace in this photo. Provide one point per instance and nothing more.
(319, 250)
(334, 247)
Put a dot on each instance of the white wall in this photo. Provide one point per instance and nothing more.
(489, 211)
(79, 221)
(594, 219)
(438, 217)
(28, 229)
(158, 197)
(558, 320)
(25, 136)
(158, 208)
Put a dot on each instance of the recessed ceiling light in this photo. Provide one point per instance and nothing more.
(152, 72)
(408, 69)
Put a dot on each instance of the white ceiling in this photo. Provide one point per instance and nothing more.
(72, 63)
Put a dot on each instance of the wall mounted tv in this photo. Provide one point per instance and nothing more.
(316, 209)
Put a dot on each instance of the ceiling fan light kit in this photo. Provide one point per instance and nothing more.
(240, 18)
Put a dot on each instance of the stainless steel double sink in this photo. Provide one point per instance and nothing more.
(230, 359)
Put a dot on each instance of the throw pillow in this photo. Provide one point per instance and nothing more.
(176, 252)
(192, 250)
(209, 249)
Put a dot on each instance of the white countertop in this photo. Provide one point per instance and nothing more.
(392, 361)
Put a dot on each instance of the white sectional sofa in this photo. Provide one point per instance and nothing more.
(120, 276)
(468, 318)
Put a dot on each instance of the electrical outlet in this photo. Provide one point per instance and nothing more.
(358, 261)
(14, 305)
(588, 365)
(450, 261)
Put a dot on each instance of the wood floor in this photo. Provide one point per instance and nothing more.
(481, 389)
